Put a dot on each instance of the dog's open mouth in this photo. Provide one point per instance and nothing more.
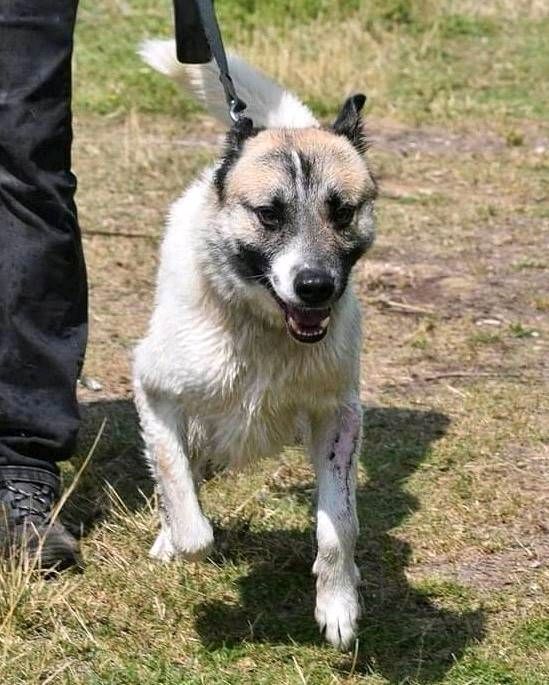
(305, 325)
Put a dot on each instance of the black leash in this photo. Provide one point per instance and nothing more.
(188, 32)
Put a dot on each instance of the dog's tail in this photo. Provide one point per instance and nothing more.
(269, 105)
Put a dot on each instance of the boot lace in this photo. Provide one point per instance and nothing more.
(36, 503)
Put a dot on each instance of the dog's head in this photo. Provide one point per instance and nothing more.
(295, 213)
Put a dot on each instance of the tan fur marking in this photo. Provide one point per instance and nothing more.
(335, 160)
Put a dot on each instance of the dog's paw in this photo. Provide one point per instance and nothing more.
(337, 617)
(196, 541)
(162, 549)
(193, 545)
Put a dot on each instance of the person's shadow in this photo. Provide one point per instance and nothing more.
(404, 633)
(117, 475)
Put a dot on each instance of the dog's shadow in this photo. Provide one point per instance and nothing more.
(404, 633)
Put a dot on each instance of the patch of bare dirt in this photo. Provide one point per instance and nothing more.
(423, 280)
(520, 565)
(396, 138)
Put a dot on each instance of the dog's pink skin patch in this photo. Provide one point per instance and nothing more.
(349, 430)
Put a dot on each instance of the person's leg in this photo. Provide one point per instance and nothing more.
(43, 298)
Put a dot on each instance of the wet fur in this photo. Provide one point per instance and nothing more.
(217, 373)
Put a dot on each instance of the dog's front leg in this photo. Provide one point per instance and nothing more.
(185, 530)
(335, 447)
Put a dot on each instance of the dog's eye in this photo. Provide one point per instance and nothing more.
(268, 216)
(342, 216)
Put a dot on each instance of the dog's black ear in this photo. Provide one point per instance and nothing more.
(237, 135)
(349, 122)
(242, 129)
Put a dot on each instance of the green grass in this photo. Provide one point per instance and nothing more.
(534, 633)
(419, 61)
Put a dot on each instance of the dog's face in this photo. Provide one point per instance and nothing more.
(295, 214)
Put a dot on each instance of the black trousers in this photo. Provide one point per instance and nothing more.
(43, 301)
(43, 292)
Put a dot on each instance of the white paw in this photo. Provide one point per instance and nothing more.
(162, 548)
(337, 617)
(192, 544)
(195, 541)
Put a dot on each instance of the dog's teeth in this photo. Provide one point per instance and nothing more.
(309, 332)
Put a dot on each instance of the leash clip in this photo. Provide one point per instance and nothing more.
(210, 26)
(235, 104)
(236, 107)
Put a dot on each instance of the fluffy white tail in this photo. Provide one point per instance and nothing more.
(269, 105)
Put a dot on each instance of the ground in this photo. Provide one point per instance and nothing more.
(453, 485)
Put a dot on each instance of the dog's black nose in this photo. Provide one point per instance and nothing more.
(314, 287)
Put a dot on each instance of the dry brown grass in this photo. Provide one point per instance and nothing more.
(512, 9)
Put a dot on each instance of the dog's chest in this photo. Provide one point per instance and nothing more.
(252, 404)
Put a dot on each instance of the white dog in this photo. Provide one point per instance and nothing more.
(255, 337)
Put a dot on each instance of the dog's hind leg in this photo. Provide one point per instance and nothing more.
(335, 446)
(185, 530)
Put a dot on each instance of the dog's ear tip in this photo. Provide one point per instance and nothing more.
(359, 100)
(242, 129)
(349, 121)
(244, 124)
(352, 107)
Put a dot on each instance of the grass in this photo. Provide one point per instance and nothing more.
(454, 466)
(419, 61)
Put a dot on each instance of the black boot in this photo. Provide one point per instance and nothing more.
(27, 497)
